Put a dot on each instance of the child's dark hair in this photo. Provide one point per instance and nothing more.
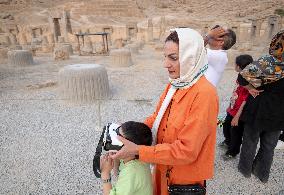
(173, 37)
(137, 132)
(243, 60)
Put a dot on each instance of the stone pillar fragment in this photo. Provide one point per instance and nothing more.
(150, 31)
(20, 57)
(61, 53)
(83, 83)
(121, 58)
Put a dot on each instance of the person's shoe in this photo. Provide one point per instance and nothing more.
(227, 157)
(223, 145)
(263, 180)
(246, 175)
(280, 145)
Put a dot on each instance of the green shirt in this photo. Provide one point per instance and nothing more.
(134, 179)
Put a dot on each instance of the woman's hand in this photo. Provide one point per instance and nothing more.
(235, 121)
(254, 92)
(106, 166)
(129, 149)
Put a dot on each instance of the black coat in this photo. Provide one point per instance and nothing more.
(266, 111)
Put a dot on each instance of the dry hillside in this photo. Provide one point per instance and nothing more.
(34, 11)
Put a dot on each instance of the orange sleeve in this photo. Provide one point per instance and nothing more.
(150, 120)
(201, 122)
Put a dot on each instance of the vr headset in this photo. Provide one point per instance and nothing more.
(108, 141)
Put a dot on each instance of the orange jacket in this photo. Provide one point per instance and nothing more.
(186, 137)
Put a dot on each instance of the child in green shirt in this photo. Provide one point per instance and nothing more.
(134, 176)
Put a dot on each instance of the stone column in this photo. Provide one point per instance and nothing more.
(64, 32)
(52, 28)
(162, 27)
(245, 42)
(150, 31)
(245, 31)
(255, 32)
(264, 32)
(274, 24)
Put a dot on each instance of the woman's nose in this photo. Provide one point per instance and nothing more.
(167, 63)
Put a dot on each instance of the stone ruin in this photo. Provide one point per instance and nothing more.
(3, 53)
(61, 53)
(127, 22)
(121, 58)
(133, 47)
(118, 43)
(62, 49)
(20, 57)
(83, 83)
(88, 46)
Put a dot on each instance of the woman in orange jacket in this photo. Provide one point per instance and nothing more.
(185, 120)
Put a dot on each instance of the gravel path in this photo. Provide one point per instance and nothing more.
(47, 144)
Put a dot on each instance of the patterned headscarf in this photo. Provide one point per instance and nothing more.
(276, 48)
(268, 68)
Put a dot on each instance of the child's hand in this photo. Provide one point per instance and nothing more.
(116, 167)
(235, 121)
(106, 165)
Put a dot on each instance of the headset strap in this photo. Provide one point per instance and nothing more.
(100, 144)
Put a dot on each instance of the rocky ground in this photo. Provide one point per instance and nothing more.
(47, 143)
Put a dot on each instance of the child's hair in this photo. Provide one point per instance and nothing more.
(138, 133)
(243, 60)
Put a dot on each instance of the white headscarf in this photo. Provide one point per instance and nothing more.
(193, 63)
(192, 58)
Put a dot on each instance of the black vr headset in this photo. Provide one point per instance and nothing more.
(108, 141)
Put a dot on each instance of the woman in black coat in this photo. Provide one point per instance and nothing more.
(263, 113)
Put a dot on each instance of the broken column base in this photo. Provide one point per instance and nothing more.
(83, 83)
(121, 58)
(20, 57)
